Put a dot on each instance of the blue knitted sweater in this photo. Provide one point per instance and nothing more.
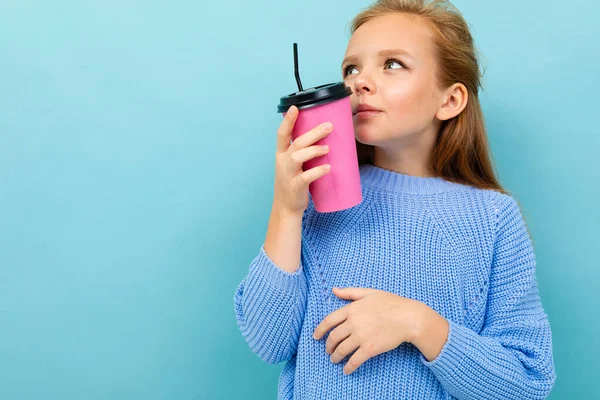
(463, 251)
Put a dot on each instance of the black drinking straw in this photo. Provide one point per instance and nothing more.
(296, 67)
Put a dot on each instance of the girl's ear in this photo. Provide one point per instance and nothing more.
(455, 100)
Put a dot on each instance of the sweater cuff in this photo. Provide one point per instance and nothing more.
(275, 276)
(453, 352)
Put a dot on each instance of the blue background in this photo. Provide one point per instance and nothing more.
(137, 146)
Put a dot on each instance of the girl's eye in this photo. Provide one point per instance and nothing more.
(393, 60)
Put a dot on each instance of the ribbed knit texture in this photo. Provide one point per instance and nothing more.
(463, 251)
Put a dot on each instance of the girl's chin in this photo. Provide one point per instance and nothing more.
(366, 136)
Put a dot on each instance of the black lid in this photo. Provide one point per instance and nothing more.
(314, 96)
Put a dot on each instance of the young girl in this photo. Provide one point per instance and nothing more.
(427, 289)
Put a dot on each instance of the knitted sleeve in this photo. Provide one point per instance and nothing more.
(269, 305)
(511, 357)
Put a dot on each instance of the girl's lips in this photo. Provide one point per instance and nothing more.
(366, 114)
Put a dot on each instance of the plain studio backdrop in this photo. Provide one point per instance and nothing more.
(137, 144)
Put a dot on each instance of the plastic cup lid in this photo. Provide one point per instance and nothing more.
(314, 96)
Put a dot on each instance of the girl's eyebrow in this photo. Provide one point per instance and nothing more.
(382, 53)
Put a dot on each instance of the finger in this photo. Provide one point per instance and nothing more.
(312, 136)
(335, 338)
(301, 156)
(345, 348)
(331, 320)
(358, 358)
(353, 293)
(312, 174)
(284, 133)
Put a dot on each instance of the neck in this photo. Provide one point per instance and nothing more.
(410, 157)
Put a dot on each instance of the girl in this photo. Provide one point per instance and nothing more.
(427, 289)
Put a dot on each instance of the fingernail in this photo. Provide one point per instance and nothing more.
(327, 126)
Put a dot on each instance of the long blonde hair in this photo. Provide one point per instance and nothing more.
(461, 153)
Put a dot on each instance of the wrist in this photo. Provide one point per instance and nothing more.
(284, 213)
(431, 334)
(422, 324)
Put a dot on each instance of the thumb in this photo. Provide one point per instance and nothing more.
(351, 293)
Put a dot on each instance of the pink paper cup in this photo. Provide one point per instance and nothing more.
(340, 188)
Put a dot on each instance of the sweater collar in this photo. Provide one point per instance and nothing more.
(397, 182)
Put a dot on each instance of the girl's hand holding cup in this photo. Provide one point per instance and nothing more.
(291, 181)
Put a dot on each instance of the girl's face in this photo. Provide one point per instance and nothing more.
(391, 67)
